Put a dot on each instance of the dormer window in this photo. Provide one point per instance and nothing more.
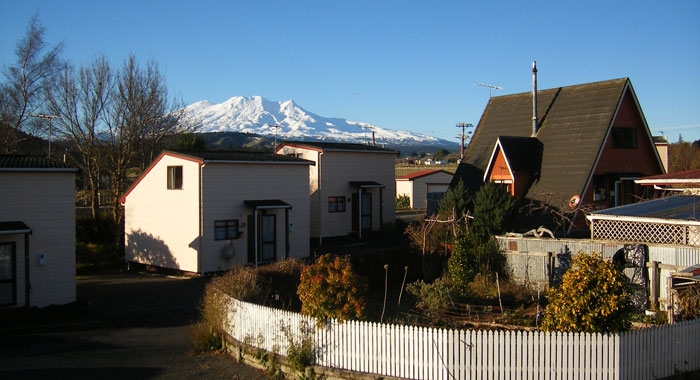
(174, 177)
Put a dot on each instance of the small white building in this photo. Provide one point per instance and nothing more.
(205, 212)
(418, 185)
(37, 232)
(342, 175)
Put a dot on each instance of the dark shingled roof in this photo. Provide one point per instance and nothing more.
(14, 161)
(573, 125)
(522, 153)
(338, 146)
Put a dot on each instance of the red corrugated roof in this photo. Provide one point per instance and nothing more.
(422, 173)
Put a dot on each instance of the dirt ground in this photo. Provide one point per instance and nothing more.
(123, 326)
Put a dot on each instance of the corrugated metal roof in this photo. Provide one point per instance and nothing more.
(239, 156)
(322, 145)
(685, 207)
(422, 173)
(684, 177)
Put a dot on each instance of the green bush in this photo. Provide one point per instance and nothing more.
(403, 202)
(432, 297)
(472, 257)
(96, 257)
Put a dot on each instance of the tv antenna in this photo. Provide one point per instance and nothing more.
(490, 87)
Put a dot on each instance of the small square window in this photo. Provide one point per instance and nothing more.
(226, 229)
(624, 138)
(174, 177)
(336, 204)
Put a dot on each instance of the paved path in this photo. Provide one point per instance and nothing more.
(124, 326)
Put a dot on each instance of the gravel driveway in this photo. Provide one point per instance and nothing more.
(123, 326)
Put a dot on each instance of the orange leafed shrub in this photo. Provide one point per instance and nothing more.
(330, 289)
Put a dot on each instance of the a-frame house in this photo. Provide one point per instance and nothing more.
(574, 148)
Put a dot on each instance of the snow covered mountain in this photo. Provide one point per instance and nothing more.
(288, 121)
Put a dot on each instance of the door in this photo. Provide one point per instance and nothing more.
(364, 214)
(266, 238)
(268, 232)
(8, 274)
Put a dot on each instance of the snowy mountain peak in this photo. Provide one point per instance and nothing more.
(255, 114)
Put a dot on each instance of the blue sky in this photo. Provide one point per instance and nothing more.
(405, 65)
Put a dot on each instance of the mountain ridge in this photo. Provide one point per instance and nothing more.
(286, 120)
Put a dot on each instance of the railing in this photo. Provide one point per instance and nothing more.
(432, 353)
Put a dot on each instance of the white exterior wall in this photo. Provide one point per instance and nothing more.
(227, 186)
(331, 176)
(417, 189)
(436, 182)
(314, 184)
(161, 225)
(45, 202)
(405, 187)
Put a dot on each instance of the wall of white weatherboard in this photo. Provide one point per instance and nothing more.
(162, 224)
(336, 170)
(44, 201)
(417, 352)
(226, 186)
(418, 188)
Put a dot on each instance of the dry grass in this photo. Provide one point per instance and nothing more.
(403, 169)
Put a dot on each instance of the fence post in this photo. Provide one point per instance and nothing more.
(654, 284)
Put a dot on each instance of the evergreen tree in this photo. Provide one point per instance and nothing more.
(492, 208)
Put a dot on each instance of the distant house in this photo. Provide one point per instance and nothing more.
(207, 211)
(352, 188)
(685, 182)
(37, 232)
(662, 147)
(421, 185)
(581, 150)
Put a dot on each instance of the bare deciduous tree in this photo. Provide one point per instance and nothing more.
(139, 118)
(80, 101)
(22, 93)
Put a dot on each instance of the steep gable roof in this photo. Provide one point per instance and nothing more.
(521, 154)
(574, 122)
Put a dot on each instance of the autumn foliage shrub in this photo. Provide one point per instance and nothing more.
(592, 297)
(330, 289)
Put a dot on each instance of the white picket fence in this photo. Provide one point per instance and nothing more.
(431, 353)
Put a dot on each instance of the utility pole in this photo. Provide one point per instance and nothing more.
(49, 118)
(276, 128)
(463, 126)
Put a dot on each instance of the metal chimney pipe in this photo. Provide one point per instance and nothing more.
(534, 99)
